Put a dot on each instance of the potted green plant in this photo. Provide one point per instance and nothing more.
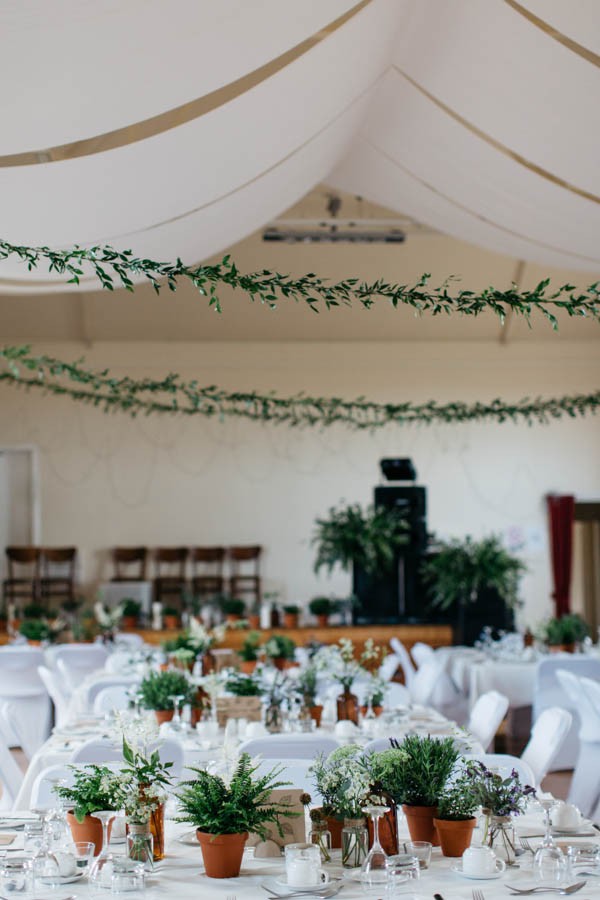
(563, 633)
(455, 818)
(343, 779)
(130, 610)
(290, 616)
(158, 689)
(224, 811)
(280, 650)
(35, 630)
(307, 686)
(171, 618)
(34, 611)
(93, 790)
(421, 780)
(232, 607)
(243, 685)
(478, 579)
(253, 616)
(322, 608)
(249, 651)
(373, 695)
(501, 799)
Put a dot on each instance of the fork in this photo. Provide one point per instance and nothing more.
(230, 897)
(526, 845)
(571, 889)
(477, 894)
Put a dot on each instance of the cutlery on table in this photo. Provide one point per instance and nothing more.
(571, 889)
(329, 893)
(526, 845)
(477, 894)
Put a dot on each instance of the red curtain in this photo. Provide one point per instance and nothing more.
(560, 516)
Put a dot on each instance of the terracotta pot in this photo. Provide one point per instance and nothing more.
(281, 663)
(222, 853)
(561, 648)
(323, 620)
(420, 823)
(376, 709)
(171, 623)
(232, 617)
(164, 715)
(528, 639)
(455, 836)
(254, 621)
(290, 620)
(334, 826)
(33, 643)
(247, 666)
(164, 667)
(89, 830)
(129, 622)
(315, 713)
(347, 707)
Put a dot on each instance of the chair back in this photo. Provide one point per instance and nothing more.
(111, 698)
(42, 789)
(503, 764)
(129, 563)
(102, 751)
(130, 640)
(75, 661)
(547, 736)
(55, 688)
(549, 692)
(170, 561)
(295, 771)
(96, 687)
(584, 707)
(405, 660)
(290, 746)
(11, 777)
(591, 688)
(19, 671)
(391, 663)
(396, 695)
(26, 718)
(486, 717)
(422, 653)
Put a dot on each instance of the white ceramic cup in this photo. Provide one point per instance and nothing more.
(303, 866)
(481, 861)
(565, 815)
(67, 864)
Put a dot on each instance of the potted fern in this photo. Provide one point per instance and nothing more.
(224, 810)
(158, 690)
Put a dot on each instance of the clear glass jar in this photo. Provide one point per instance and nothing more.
(140, 844)
(499, 834)
(320, 835)
(355, 843)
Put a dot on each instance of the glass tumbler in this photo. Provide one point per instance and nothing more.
(403, 871)
(16, 877)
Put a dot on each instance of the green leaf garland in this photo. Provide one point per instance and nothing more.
(174, 396)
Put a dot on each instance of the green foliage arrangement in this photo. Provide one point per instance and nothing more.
(568, 629)
(343, 779)
(460, 798)
(279, 646)
(93, 789)
(115, 268)
(292, 609)
(131, 607)
(211, 805)
(243, 685)
(34, 611)
(232, 606)
(350, 535)
(460, 569)
(172, 396)
(386, 768)
(35, 630)
(158, 689)
(427, 766)
(307, 685)
(322, 606)
(250, 648)
(171, 611)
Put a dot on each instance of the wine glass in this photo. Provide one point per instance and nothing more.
(549, 863)
(106, 816)
(548, 804)
(373, 873)
(177, 721)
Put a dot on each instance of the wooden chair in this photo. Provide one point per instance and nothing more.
(58, 572)
(245, 584)
(207, 571)
(23, 569)
(170, 579)
(129, 563)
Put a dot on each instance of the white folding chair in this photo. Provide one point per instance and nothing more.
(103, 751)
(422, 653)
(11, 777)
(486, 717)
(110, 698)
(96, 687)
(391, 663)
(75, 661)
(42, 789)
(396, 695)
(504, 763)
(547, 736)
(59, 698)
(28, 719)
(432, 686)
(584, 791)
(293, 770)
(128, 640)
(405, 660)
(20, 680)
(290, 746)
(549, 692)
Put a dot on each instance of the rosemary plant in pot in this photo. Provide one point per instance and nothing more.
(159, 690)
(224, 808)
(421, 780)
(455, 818)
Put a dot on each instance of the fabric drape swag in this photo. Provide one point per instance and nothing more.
(560, 516)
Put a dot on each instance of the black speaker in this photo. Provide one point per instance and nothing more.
(411, 501)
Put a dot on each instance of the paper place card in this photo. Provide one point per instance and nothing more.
(6, 839)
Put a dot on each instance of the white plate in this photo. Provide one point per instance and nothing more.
(457, 867)
(584, 826)
(282, 885)
(63, 879)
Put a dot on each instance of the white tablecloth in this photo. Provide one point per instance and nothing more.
(513, 679)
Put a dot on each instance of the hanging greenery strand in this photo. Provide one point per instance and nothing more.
(172, 395)
(114, 269)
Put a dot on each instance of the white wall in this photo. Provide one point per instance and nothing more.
(111, 480)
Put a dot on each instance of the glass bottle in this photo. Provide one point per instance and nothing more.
(140, 844)
(320, 835)
(354, 843)
(347, 706)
